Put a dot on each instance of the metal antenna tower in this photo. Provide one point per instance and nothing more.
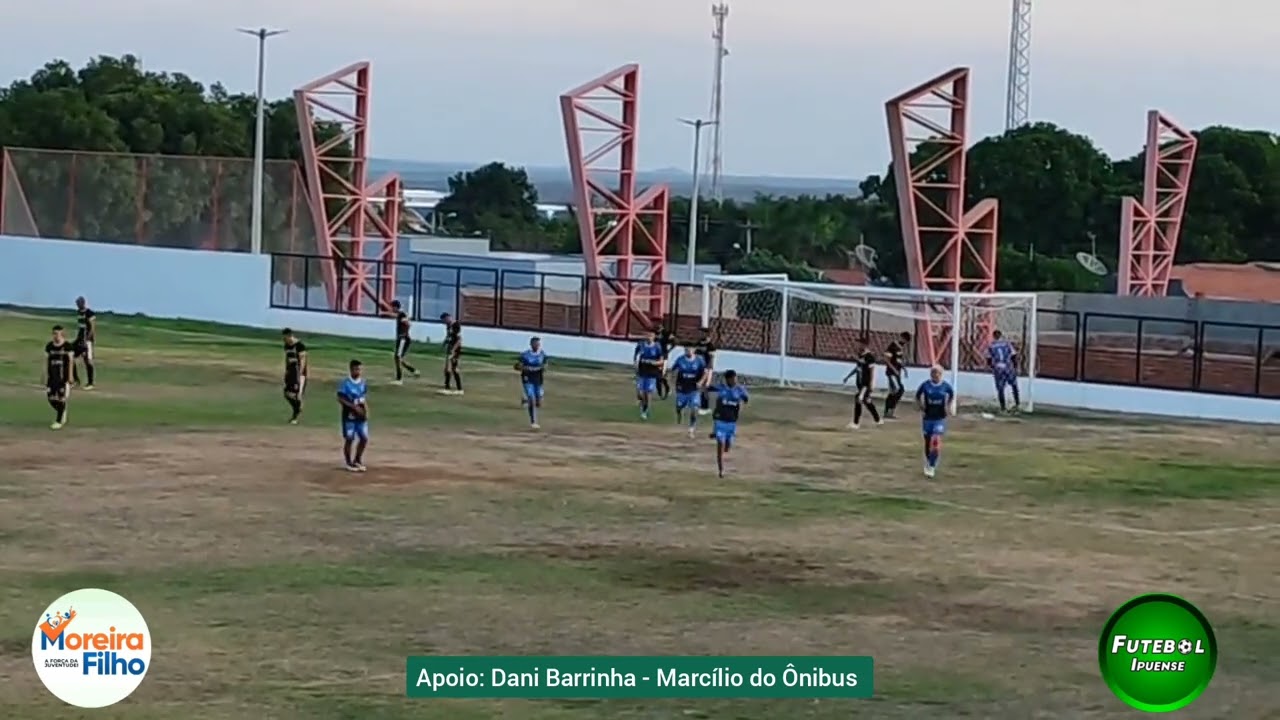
(715, 161)
(1017, 104)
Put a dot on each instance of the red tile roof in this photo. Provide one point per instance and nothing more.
(845, 276)
(1252, 282)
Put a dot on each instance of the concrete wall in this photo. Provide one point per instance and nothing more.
(234, 288)
(1174, 315)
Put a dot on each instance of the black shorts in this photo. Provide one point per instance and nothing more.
(294, 386)
(402, 346)
(83, 348)
(58, 391)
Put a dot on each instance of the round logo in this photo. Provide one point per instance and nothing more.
(1158, 653)
(91, 648)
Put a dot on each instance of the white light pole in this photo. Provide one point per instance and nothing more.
(697, 126)
(259, 136)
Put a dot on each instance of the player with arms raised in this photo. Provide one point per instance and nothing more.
(864, 374)
(452, 354)
(691, 376)
(353, 398)
(730, 397)
(532, 364)
(295, 373)
(895, 371)
(936, 399)
(1002, 356)
(402, 344)
(648, 359)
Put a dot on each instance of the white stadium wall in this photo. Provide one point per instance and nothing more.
(234, 288)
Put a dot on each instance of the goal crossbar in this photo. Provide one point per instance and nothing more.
(963, 316)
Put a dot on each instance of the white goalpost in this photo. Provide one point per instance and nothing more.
(793, 326)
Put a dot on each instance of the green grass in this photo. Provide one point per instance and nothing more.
(280, 587)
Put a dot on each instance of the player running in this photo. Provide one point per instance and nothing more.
(895, 372)
(706, 349)
(649, 367)
(936, 399)
(295, 373)
(667, 340)
(86, 334)
(452, 354)
(59, 357)
(532, 364)
(402, 344)
(864, 374)
(353, 397)
(691, 376)
(1002, 356)
(730, 397)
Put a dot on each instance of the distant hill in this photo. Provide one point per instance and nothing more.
(554, 186)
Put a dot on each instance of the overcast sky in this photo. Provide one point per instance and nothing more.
(477, 80)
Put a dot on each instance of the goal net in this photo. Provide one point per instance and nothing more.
(808, 334)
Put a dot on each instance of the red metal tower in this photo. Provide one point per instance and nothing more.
(357, 222)
(948, 248)
(1149, 229)
(624, 232)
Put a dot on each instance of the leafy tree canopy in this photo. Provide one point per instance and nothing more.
(113, 105)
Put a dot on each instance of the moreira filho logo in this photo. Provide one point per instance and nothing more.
(91, 648)
(1158, 653)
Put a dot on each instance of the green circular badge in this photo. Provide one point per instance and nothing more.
(1158, 653)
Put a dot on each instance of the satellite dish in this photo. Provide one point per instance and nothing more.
(1090, 262)
(865, 256)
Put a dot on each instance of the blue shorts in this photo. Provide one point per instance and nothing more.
(725, 431)
(646, 384)
(352, 429)
(1005, 378)
(533, 390)
(688, 400)
(934, 428)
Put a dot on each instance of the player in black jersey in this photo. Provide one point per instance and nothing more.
(706, 349)
(86, 332)
(895, 371)
(864, 375)
(295, 373)
(452, 354)
(402, 344)
(667, 340)
(59, 357)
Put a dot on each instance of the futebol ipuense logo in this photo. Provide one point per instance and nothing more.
(1158, 653)
(91, 648)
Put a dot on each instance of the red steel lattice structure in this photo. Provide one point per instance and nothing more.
(1149, 229)
(624, 231)
(948, 248)
(357, 222)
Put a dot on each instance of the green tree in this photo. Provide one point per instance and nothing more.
(111, 105)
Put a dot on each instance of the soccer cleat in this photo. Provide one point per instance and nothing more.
(397, 382)
(534, 426)
(56, 426)
(703, 412)
(293, 421)
(644, 416)
(351, 467)
(853, 426)
(880, 421)
(87, 387)
(457, 392)
(929, 471)
(691, 433)
(359, 467)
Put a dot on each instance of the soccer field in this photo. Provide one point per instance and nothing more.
(277, 585)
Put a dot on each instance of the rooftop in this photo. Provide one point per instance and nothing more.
(1248, 282)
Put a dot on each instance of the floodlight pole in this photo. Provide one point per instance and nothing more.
(697, 126)
(259, 136)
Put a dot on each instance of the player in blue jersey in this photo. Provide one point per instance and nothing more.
(691, 376)
(353, 397)
(649, 357)
(532, 364)
(936, 399)
(1002, 357)
(730, 397)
